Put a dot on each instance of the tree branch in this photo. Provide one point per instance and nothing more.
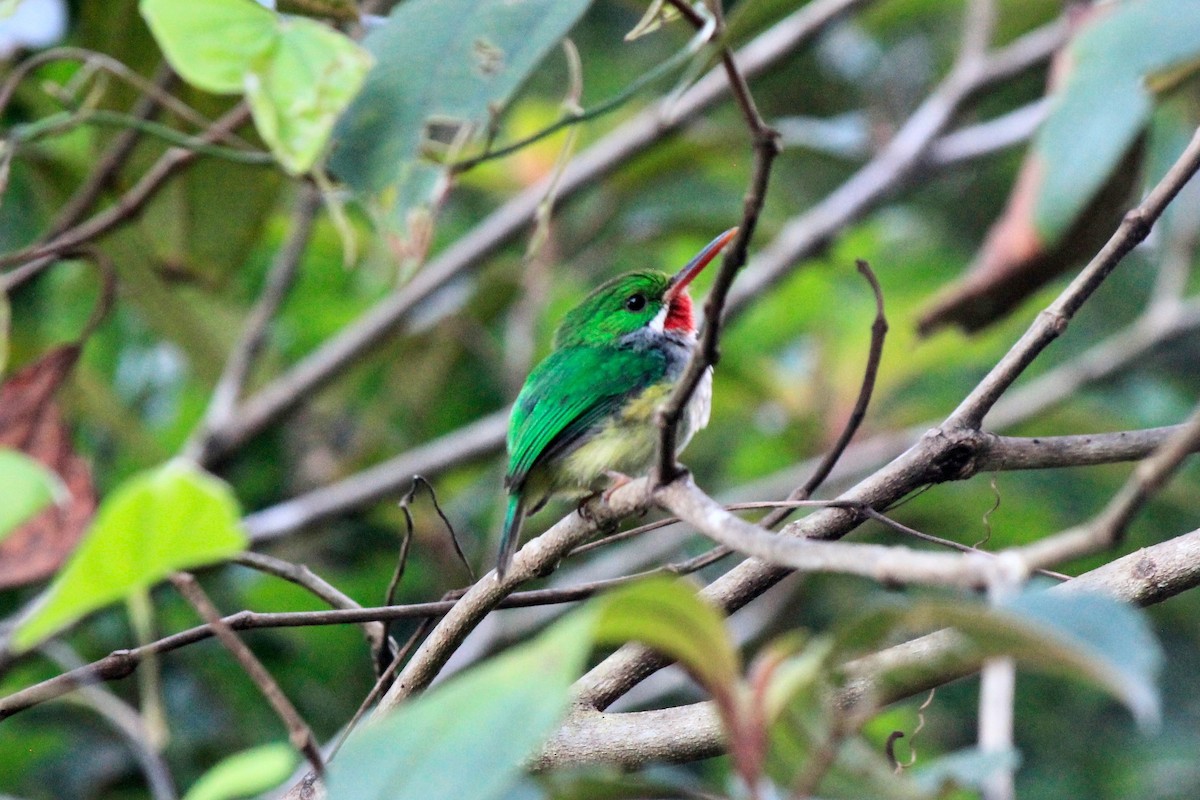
(686, 733)
(299, 733)
(279, 282)
(37, 257)
(1051, 323)
(943, 453)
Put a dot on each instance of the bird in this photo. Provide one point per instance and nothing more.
(585, 418)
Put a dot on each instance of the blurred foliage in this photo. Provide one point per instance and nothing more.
(192, 265)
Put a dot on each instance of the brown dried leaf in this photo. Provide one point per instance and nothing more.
(1014, 262)
(31, 422)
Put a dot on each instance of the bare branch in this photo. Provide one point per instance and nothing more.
(764, 142)
(888, 565)
(686, 733)
(37, 257)
(298, 731)
(1054, 320)
(304, 577)
(879, 329)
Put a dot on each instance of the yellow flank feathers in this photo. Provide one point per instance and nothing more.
(627, 442)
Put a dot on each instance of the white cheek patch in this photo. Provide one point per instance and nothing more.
(660, 319)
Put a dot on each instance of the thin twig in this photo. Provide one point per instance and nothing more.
(154, 89)
(299, 733)
(764, 142)
(305, 578)
(1051, 322)
(36, 257)
(879, 329)
(125, 719)
(280, 278)
(113, 159)
(536, 557)
(959, 546)
(577, 116)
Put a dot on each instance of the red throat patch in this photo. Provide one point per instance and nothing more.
(679, 314)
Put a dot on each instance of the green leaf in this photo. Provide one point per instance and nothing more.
(1105, 103)
(1115, 643)
(171, 518)
(1073, 634)
(298, 74)
(453, 60)
(668, 615)
(26, 487)
(467, 739)
(247, 773)
(966, 769)
(212, 43)
(301, 86)
(803, 670)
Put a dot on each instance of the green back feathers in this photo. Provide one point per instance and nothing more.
(572, 390)
(611, 311)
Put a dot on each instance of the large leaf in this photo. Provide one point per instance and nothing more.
(467, 739)
(969, 768)
(667, 615)
(1079, 635)
(297, 74)
(174, 517)
(26, 487)
(453, 60)
(1105, 102)
(212, 43)
(245, 774)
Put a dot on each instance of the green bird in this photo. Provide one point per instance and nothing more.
(584, 419)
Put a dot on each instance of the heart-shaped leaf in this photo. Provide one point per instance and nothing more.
(171, 518)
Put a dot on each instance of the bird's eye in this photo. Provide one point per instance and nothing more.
(635, 302)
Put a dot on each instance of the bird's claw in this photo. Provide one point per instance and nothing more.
(584, 509)
(618, 479)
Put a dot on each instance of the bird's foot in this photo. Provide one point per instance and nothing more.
(618, 479)
(584, 509)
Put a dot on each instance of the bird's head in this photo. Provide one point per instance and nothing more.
(635, 300)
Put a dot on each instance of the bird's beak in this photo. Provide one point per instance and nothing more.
(682, 278)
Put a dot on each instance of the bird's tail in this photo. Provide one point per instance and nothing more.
(511, 537)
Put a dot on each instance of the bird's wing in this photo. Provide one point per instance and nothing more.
(568, 393)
